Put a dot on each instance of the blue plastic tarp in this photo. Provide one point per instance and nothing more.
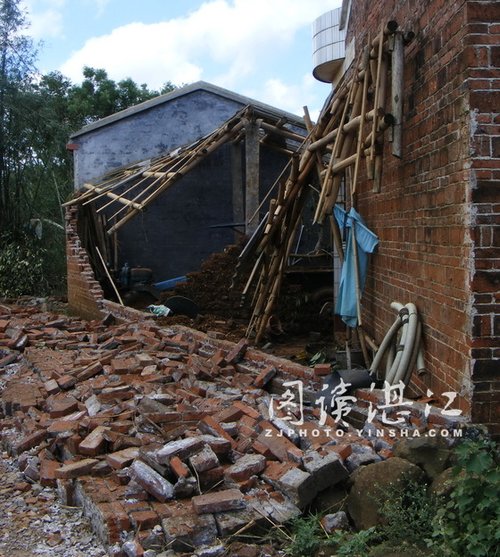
(170, 283)
(367, 241)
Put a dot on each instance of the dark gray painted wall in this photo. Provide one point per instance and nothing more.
(150, 133)
(173, 235)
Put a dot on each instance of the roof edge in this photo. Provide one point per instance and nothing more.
(197, 86)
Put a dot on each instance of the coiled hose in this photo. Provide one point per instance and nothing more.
(403, 350)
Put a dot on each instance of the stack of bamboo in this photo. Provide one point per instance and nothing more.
(350, 128)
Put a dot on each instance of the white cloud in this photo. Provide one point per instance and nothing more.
(222, 40)
(100, 6)
(45, 18)
(292, 96)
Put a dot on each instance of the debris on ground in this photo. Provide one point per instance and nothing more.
(166, 437)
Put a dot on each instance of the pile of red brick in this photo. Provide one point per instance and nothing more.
(163, 435)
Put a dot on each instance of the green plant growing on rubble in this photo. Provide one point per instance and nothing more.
(305, 536)
(468, 522)
(408, 513)
(353, 545)
(464, 523)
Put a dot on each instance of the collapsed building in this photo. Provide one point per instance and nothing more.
(418, 108)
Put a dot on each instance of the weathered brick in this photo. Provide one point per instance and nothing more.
(151, 481)
(204, 460)
(94, 443)
(229, 499)
(245, 467)
(186, 532)
(121, 459)
(182, 448)
(76, 469)
(178, 467)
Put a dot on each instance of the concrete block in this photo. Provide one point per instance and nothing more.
(325, 470)
(298, 486)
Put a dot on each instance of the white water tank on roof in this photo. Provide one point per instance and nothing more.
(328, 46)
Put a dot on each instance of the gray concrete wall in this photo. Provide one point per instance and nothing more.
(149, 133)
(174, 235)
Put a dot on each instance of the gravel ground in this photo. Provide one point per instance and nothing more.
(33, 522)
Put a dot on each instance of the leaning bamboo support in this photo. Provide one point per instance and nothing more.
(282, 131)
(377, 90)
(109, 276)
(360, 131)
(115, 197)
(224, 138)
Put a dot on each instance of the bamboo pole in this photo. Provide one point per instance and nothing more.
(223, 139)
(282, 131)
(397, 94)
(109, 276)
(360, 131)
(115, 197)
(376, 101)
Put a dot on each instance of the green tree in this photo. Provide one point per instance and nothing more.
(17, 55)
(99, 96)
(37, 115)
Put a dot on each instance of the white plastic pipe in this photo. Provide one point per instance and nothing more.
(402, 355)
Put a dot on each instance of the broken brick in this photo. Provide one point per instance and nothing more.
(144, 519)
(76, 469)
(182, 448)
(209, 426)
(120, 459)
(204, 460)
(245, 467)
(264, 376)
(237, 352)
(62, 405)
(94, 443)
(151, 481)
(178, 467)
(320, 370)
(31, 441)
(219, 501)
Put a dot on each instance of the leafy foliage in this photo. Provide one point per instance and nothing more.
(409, 513)
(21, 266)
(306, 536)
(37, 116)
(354, 545)
(469, 522)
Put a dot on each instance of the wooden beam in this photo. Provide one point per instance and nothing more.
(252, 168)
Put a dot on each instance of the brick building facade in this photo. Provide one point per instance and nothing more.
(437, 215)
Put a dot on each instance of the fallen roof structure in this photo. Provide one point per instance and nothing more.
(350, 130)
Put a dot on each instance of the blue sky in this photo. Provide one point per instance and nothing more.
(258, 48)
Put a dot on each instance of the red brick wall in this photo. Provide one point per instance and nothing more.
(483, 52)
(426, 214)
(85, 295)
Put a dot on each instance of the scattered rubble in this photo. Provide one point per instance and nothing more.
(163, 435)
(33, 521)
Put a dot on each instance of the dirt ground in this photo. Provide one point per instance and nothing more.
(33, 521)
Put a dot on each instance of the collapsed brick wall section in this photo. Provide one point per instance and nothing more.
(85, 295)
(423, 215)
(483, 54)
